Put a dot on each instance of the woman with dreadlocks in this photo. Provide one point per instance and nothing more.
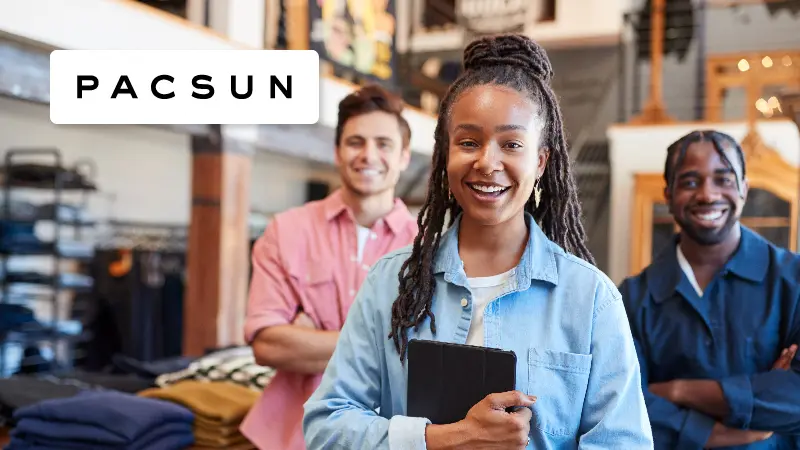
(511, 271)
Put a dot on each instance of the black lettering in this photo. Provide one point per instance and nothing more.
(249, 88)
(154, 87)
(84, 87)
(287, 89)
(128, 89)
(197, 85)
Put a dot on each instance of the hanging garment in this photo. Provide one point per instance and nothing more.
(136, 307)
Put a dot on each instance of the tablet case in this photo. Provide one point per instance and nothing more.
(446, 380)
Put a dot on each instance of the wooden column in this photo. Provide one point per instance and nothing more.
(298, 28)
(654, 111)
(218, 252)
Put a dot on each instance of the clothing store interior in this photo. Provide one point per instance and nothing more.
(126, 251)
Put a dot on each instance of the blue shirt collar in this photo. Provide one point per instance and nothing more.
(750, 262)
(538, 261)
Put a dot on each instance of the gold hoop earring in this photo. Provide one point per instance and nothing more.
(537, 193)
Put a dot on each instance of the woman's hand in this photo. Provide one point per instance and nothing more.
(488, 425)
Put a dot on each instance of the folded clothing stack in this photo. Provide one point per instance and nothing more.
(236, 365)
(101, 420)
(20, 391)
(218, 407)
(23, 390)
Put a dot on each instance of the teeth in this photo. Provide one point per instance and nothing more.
(489, 189)
(369, 172)
(710, 216)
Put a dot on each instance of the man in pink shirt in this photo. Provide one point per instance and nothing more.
(311, 261)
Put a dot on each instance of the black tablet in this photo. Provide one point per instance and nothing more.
(446, 380)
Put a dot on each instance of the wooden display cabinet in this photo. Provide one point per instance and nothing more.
(760, 75)
(771, 208)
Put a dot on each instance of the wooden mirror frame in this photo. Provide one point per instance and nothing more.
(723, 73)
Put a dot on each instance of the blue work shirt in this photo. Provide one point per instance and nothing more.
(733, 334)
(562, 317)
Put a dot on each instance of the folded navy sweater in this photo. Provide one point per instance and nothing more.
(85, 437)
(103, 419)
(168, 437)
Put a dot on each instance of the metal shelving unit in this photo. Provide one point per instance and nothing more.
(24, 171)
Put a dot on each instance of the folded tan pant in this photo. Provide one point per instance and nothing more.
(218, 403)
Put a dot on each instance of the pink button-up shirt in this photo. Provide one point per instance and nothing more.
(307, 258)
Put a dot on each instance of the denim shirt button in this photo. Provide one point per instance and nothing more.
(464, 302)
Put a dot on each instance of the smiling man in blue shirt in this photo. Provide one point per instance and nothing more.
(716, 317)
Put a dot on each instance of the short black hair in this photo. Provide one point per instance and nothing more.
(676, 153)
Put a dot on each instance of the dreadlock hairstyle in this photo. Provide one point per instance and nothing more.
(516, 62)
(676, 153)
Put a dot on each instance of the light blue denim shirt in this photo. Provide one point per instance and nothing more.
(562, 317)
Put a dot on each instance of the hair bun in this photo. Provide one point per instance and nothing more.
(509, 50)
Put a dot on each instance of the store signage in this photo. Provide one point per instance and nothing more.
(171, 87)
(493, 16)
(356, 34)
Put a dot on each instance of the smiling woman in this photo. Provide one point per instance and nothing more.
(512, 272)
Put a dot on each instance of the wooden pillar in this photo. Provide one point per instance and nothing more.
(298, 28)
(218, 252)
(654, 111)
(714, 93)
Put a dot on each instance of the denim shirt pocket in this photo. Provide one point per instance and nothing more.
(559, 381)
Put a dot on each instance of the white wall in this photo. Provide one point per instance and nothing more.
(240, 20)
(577, 22)
(144, 174)
(643, 149)
(582, 20)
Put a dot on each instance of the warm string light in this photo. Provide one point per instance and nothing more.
(744, 66)
(767, 62)
(767, 107)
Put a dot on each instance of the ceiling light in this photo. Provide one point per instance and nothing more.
(762, 105)
(744, 66)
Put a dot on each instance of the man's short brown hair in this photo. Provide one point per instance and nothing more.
(370, 99)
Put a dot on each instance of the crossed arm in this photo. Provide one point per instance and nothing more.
(732, 411)
(281, 337)
(708, 397)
